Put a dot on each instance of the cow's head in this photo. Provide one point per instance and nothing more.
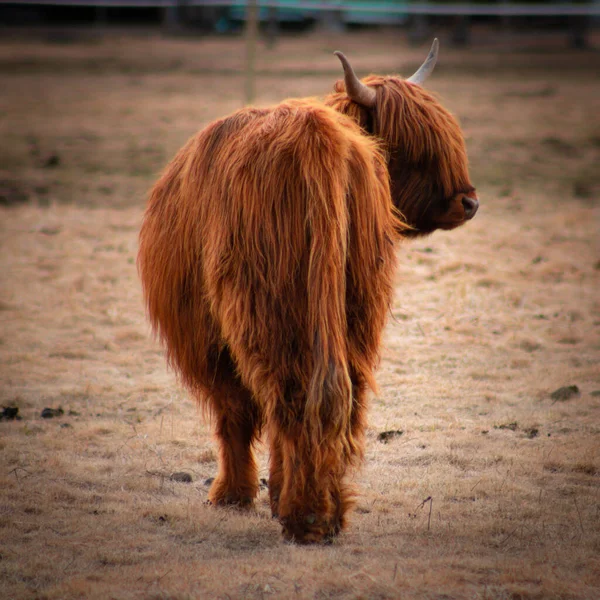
(425, 149)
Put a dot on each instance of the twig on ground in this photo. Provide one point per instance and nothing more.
(16, 472)
(579, 515)
(430, 500)
(69, 564)
(363, 574)
(504, 480)
(158, 580)
(126, 442)
(509, 536)
(154, 473)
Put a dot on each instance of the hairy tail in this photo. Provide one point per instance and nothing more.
(329, 394)
(352, 225)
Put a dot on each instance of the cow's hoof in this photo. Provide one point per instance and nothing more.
(309, 530)
(274, 504)
(217, 496)
(242, 502)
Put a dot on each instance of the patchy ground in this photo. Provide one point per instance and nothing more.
(487, 485)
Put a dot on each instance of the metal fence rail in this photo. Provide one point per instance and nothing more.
(496, 9)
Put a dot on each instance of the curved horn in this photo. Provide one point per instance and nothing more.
(426, 68)
(358, 91)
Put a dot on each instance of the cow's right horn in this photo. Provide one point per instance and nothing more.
(355, 88)
(424, 71)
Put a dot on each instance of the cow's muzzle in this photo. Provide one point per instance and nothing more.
(470, 206)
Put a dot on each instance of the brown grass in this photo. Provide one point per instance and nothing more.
(487, 322)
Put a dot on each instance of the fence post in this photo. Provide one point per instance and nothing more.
(251, 37)
(272, 26)
(577, 32)
(171, 18)
(461, 33)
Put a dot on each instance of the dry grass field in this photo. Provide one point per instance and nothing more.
(492, 488)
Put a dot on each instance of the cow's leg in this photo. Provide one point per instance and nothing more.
(344, 494)
(308, 492)
(238, 421)
(275, 477)
(237, 426)
(312, 497)
(308, 469)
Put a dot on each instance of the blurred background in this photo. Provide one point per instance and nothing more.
(489, 321)
(572, 18)
(99, 94)
(229, 16)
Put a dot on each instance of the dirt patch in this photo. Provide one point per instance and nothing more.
(12, 194)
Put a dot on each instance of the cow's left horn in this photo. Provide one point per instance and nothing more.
(426, 68)
(355, 88)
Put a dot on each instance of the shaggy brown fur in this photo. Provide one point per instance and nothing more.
(266, 257)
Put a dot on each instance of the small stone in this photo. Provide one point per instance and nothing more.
(385, 436)
(182, 477)
(10, 413)
(50, 413)
(532, 432)
(50, 161)
(565, 393)
(529, 345)
(582, 189)
(12, 194)
(48, 230)
(512, 426)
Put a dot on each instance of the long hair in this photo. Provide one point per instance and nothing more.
(271, 234)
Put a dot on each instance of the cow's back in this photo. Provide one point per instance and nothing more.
(247, 242)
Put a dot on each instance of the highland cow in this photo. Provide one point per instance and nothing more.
(267, 257)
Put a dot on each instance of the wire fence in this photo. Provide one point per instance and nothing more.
(502, 8)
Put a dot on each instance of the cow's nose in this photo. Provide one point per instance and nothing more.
(470, 205)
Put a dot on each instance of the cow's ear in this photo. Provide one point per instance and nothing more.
(365, 117)
(367, 120)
